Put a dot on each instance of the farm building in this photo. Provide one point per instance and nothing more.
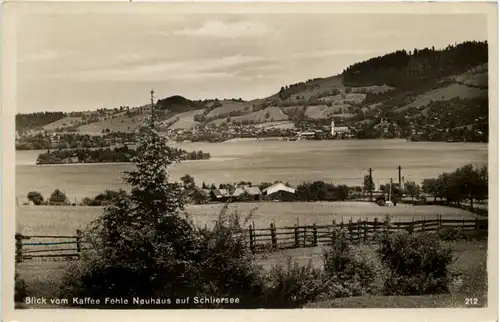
(253, 193)
(279, 191)
(220, 195)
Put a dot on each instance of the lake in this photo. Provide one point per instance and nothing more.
(339, 162)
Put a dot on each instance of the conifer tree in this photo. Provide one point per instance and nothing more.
(143, 244)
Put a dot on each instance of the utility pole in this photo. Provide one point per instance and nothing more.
(399, 175)
(390, 189)
(370, 184)
(152, 106)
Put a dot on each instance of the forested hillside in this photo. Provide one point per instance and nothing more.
(39, 119)
(406, 70)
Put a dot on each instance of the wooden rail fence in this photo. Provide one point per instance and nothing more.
(263, 239)
(297, 236)
(48, 246)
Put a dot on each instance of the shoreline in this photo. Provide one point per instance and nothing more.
(111, 163)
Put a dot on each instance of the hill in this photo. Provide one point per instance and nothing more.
(383, 95)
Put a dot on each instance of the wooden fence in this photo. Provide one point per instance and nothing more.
(274, 238)
(264, 239)
(48, 246)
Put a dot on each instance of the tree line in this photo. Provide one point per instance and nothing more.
(405, 69)
(466, 184)
(118, 154)
(36, 120)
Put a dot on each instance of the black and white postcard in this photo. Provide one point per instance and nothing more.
(225, 160)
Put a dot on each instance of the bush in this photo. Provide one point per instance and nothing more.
(419, 263)
(35, 197)
(293, 286)
(58, 198)
(452, 234)
(349, 271)
(20, 289)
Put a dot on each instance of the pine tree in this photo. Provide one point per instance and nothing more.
(143, 244)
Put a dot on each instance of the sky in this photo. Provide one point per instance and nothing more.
(85, 62)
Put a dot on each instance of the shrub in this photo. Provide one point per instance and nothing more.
(20, 289)
(349, 271)
(452, 234)
(58, 198)
(293, 286)
(35, 197)
(227, 267)
(418, 262)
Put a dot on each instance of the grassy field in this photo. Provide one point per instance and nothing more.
(230, 106)
(121, 123)
(275, 114)
(64, 122)
(54, 220)
(186, 120)
(445, 93)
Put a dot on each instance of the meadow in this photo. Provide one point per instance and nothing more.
(339, 162)
(62, 220)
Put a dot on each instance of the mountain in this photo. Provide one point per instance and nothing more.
(394, 95)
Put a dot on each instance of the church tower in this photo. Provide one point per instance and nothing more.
(333, 128)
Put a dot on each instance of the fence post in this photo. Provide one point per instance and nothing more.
(476, 223)
(423, 224)
(438, 223)
(78, 241)
(250, 235)
(359, 230)
(19, 247)
(296, 232)
(375, 224)
(334, 226)
(274, 241)
(365, 231)
(305, 235)
(350, 229)
(315, 235)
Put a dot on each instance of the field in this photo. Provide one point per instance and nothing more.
(55, 220)
(186, 120)
(64, 122)
(121, 123)
(230, 106)
(445, 93)
(323, 111)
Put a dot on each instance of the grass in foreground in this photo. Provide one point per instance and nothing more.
(469, 270)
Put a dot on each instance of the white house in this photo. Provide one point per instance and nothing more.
(277, 187)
